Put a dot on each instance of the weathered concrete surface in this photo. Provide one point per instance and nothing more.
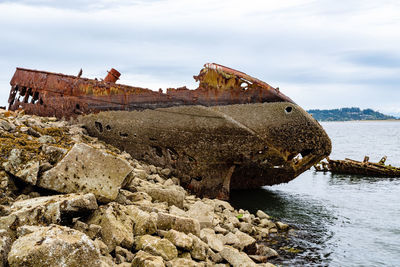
(268, 143)
(89, 170)
(54, 246)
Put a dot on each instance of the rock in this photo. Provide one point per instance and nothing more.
(231, 239)
(126, 254)
(171, 196)
(141, 174)
(144, 259)
(145, 223)
(120, 223)
(268, 252)
(27, 171)
(157, 247)
(169, 182)
(199, 248)
(179, 239)
(47, 210)
(46, 139)
(101, 246)
(6, 125)
(282, 226)
(208, 235)
(203, 213)
(233, 220)
(116, 225)
(92, 230)
(7, 185)
(54, 153)
(221, 205)
(166, 172)
(5, 246)
(125, 197)
(218, 229)
(167, 221)
(247, 228)
(258, 258)
(54, 246)
(215, 257)
(177, 211)
(236, 258)
(124, 264)
(247, 243)
(262, 215)
(273, 230)
(267, 224)
(89, 170)
(27, 229)
(181, 262)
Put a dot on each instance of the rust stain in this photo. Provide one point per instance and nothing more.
(53, 94)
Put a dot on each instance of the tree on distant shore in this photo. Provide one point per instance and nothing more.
(348, 114)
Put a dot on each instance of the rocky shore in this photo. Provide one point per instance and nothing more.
(67, 199)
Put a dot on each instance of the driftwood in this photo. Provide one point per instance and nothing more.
(349, 166)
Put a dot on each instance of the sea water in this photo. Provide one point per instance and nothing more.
(340, 220)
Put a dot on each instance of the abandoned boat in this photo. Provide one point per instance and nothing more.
(232, 132)
(365, 167)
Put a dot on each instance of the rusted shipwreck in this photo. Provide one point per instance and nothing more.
(232, 132)
(365, 167)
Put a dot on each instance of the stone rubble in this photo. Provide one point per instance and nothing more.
(67, 199)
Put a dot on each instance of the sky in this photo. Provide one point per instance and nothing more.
(323, 54)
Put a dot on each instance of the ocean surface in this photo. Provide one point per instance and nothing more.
(339, 220)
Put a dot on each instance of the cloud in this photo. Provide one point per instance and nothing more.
(310, 49)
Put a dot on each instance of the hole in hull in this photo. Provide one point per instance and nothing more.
(98, 126)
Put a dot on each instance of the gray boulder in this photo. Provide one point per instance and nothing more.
(199, 248)
(214, 241)
(47, 210)
(157, 246)
(54, 246)
(171, 196)
(167, 221)
(17, 166)
(181, 240)
(236, 258)
(89, 170)
(203, 213)
(144, 259)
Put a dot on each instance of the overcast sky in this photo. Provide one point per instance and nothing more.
(322, 54)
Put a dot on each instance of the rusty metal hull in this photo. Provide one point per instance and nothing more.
(64, 96)
(232, 132)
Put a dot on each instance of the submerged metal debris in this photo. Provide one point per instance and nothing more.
(232, 132)
(365, 167)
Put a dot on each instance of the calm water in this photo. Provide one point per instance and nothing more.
(342, 220)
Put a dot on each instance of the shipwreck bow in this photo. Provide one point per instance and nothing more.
(232, 132)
